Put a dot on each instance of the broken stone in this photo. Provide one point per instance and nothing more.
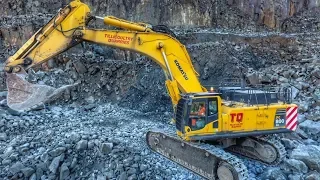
(90, 99)
(27, 172)
(131, 171)
(295, 166)
(304, 85)
(58, 151)
(309, 154)
(132, 177)
(143, 167)
(316, 73)
(82, 145)
(55, 164)
(44, 157)
(289, 144)
(287, 74)
(17, 167)
(316, 94)
(294, 91)
(33, 177)
(80, 67)
(315, 116)
(298, 86)
(123, 176)
(73, 163)
(310, 127)
(283, 80)
(89, 55)
(90, 144)
(3, 137)
(313, 175)
(301, 133)
(253, 78)
(273, 173)
(93, 70)
(64, 171)
(303, 106)
(106, 148)
(310, 142)
(295, 177)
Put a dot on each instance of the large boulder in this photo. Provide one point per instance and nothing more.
(273, 174)
(294, 166)
(310, 155)
(310, 127)
(314, 175)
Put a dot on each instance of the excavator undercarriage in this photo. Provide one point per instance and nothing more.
(204, 159)
(211, 160)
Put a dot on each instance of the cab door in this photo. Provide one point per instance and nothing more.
(213, 113)
(198, 115)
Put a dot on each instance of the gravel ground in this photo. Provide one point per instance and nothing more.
(83, 142)
(89, 142)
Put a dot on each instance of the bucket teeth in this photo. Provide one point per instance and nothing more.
(24, 96)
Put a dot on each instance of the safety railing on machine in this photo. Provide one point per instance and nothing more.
(234, 90)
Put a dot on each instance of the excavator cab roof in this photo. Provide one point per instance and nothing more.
(200, 95)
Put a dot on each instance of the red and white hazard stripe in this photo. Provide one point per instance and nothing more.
(292, 118)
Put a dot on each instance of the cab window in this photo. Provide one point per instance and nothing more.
(197, 117)
(213, 107)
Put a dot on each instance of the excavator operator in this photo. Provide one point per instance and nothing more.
(198, 115)
(202, 110)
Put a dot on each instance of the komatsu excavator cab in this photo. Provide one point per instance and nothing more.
(198, 113)
(234, 112)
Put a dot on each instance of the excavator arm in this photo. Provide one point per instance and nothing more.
(69, 28)
(50, 40)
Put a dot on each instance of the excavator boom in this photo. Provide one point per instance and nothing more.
(69, 28)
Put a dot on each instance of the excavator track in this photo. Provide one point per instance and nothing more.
(205, 160)
(271, 152)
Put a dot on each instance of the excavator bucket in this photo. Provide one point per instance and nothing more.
(24, 96)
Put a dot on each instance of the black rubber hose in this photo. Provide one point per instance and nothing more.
(163, 29)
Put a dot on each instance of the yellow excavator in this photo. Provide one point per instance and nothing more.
(211, 126)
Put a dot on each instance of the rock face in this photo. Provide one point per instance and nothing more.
(225, 14)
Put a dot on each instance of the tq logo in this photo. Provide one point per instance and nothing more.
(236, 117)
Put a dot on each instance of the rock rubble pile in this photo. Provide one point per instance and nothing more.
(303, 78)
(92, 142)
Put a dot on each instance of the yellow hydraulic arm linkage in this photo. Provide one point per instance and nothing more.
(69, 28)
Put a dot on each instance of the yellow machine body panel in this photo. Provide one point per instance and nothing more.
(241, 118)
